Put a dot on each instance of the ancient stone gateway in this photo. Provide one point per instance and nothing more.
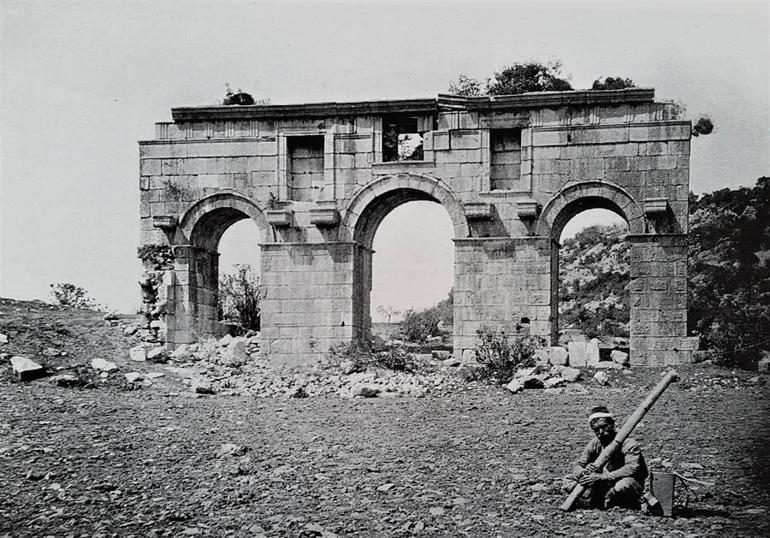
(317, 180)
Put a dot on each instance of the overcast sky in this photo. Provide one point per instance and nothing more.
(83, 81)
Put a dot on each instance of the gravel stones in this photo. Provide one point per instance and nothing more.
(26, 369)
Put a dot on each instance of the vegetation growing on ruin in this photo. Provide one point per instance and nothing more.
(500, 355)
(418, 326)
(612, 83)
(239, 298)
(158, 257)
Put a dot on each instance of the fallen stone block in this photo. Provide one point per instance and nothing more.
(607, 365)
(553, 382)
(557, 356)
(200, 385)
(157, 354)
(138, 354)
(156, 324)
(26, 369)
(452, 362)
(130, 330)
(181, 352)
(103, 365)
(515, 386)
(66, 381)
(154, 375)
(619, 357)
(570, 375)
(236, 352)
(134, 377)
(3, 339)
(592, 352)
(602, 378)
(577, 353)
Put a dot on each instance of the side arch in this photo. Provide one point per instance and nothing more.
(579, 197)
(203, 224)
(363, 215)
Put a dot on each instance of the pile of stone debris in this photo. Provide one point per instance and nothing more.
(235, 366)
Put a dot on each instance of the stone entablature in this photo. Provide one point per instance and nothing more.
(317, 179)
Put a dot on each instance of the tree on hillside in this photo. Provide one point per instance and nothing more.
(66, 294)
(612, 83)
(729, 273)
(388, 312)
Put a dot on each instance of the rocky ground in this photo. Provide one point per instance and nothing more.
(154, 458)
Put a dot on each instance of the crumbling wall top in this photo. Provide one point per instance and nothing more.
(534, 100)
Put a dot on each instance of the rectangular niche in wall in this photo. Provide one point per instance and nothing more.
(505, 159)
(306, 167)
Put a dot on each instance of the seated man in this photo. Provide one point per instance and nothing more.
(621, 482)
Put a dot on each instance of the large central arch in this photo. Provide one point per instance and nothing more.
(363, 216)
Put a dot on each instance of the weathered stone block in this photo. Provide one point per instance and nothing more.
(577, 353)
(26, 369)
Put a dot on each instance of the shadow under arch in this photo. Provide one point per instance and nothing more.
(568, 203)
(365, 213)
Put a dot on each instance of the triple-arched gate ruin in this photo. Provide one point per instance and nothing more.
(318, 179)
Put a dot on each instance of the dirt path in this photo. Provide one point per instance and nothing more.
(485, 463)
